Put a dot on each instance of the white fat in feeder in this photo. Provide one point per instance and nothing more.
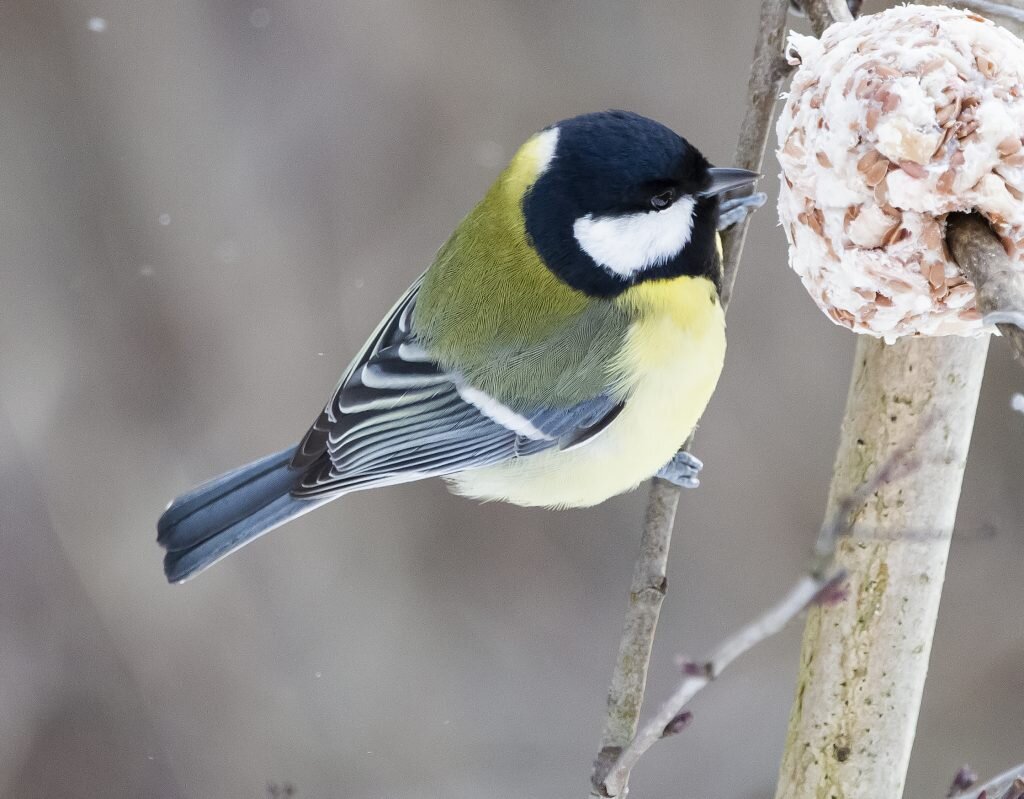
(892, 122)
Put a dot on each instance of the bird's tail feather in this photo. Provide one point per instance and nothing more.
(218, 517)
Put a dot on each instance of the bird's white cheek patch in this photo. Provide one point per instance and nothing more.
(629, 244)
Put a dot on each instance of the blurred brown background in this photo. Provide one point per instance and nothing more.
(205, 205)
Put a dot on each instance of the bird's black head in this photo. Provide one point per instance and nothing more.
(623, 199)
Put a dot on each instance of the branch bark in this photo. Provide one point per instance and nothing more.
(823, 13)
(864, 662)
(999, 283)
(647, 590)
(699, 676)
(877, 647)
(1008, 785)
(767, 72)
(821, 584)
(1001, 12)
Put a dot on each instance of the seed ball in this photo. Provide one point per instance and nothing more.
(892, 122)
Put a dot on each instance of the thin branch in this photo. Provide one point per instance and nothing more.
(989, 7)
(853, 5)
(646, 594)
(964, 779)
(760, 629)
(899, 462)
(999, 283)
(1000, 297)
(647, 591)
(873, 651)
(820, 584)
(928, 501)
(823, 13)
(612, 766)
(767, 72)
(1008, 785)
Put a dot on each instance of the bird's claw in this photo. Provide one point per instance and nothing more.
(682, 470)
(736, 209)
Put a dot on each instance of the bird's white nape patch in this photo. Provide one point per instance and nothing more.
(625, 245)
(544, 145)
(500, 413)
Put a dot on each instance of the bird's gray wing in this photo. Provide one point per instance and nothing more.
(397, 416)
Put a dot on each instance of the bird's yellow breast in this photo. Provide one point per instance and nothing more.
(666, 371)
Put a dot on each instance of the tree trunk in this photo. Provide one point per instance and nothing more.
(864, 661)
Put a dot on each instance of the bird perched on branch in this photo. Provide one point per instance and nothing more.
(557, 352)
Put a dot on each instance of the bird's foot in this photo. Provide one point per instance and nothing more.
(682, 470)
(736, 209)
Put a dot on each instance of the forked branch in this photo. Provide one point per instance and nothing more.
(821, 584)
(647, 590)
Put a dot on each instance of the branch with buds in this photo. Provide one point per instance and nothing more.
(647, 590)
(852, 662)
(1009, 785)
(621, 745)
(823, 585)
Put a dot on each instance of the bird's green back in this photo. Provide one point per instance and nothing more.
(490, 309)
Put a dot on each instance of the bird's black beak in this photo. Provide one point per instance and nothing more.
(725, 179)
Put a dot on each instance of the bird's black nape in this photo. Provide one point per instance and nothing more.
(609, 164)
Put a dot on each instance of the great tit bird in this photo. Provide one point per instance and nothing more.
(557, 352)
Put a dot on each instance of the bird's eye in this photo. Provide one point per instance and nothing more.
(663, 199)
